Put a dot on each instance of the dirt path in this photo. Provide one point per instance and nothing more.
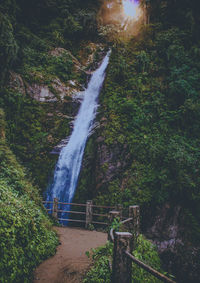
(70, 262)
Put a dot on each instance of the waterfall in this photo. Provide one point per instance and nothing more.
(69, 163)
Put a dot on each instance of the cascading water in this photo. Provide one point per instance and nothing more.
(69, 164)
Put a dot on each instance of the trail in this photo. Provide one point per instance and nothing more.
(70, 262)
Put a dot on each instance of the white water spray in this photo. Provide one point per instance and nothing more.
(69, 164)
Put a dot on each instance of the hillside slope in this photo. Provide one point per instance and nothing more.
(25, 230)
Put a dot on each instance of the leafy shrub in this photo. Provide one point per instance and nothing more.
(25, 230)
(8, 46)
(40, 67)
(102, 257)
(25, 235)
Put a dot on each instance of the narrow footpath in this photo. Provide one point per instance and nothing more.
(70, 262)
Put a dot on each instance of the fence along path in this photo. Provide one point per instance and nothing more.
(124, 242)
(89, 213)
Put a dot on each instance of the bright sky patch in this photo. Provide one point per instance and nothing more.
(131, 9)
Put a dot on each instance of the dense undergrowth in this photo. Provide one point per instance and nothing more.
(150, 103)
(102, 258)
(25, 233)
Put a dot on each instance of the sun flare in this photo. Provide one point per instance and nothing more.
(131, 9)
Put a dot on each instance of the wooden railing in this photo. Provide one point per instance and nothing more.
(124, 244)
(88, 214)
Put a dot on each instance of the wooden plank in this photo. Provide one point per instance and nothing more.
(126, 221)
(102, 223)
(103, 215)
(72, 212)
(75, 204)
(101, 206)
(72, 220)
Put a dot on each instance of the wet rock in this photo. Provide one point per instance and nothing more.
(167, 231)
(111, 159)
(57, 149)
(41, 93)
(56, 92)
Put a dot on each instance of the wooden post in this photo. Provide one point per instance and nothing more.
(112, 215)
(134, 212)
(55, 208)
(88, 213)
(120, 209)
(147, 11)
(122, 265)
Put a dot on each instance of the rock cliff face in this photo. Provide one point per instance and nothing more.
(167, 229)
(110, 162)
(166, 226)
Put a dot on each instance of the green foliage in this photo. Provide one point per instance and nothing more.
(8, 46)
(31, 135)
(25, 235)
(100, 272)
(102, 258)
(116, 224)
(146, 253)
(151, 108)
(43, 68)
(34, 27)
